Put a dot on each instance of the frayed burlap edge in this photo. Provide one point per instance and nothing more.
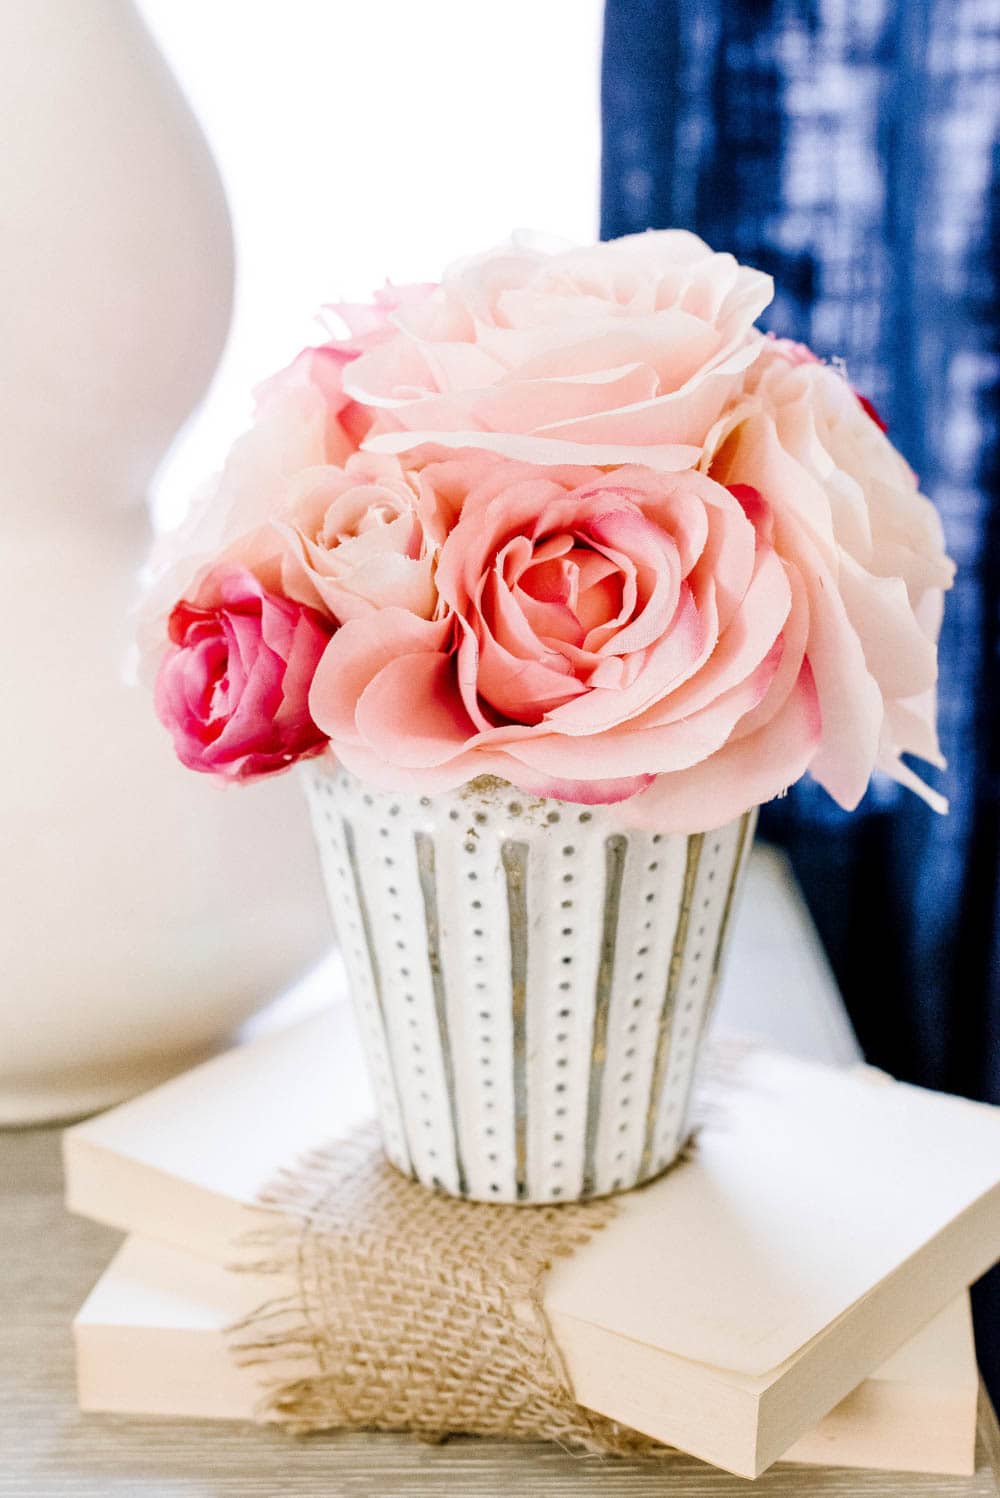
(402, 1309)
(411, 1311)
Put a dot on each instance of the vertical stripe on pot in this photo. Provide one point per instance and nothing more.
(615, 848)
(514, 857)
(532, 977)
(424, 846)
(665, 1022)
(339, 866)
(714, 872)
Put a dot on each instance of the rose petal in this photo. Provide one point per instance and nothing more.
(411, 711)
(357, 652)
(667, 457)
(744, 774)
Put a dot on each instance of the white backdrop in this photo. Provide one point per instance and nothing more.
(365, 139)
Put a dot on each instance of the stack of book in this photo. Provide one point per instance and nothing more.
(797, 1291)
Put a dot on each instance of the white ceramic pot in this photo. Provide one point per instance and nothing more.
(532, 978)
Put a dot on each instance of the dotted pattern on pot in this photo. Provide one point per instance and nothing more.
(532, 979)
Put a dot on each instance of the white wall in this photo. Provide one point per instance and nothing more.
(365, 139)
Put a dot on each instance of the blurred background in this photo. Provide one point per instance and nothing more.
(849, 147)
(359, 142)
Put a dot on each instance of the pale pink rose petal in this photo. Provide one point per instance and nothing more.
(741, 649)
(898, 653)
(745, 773)
(403, 371)
(674, 659)
(379, 773)
(590, 792)
(907, 730)
(758, 459)
(650, 556)
(682, 512)
(545, 602)
(610, 354)
(626, 750)
(302, 653)
(493, 513)
(908, 723)
(522, 689)
(357, 652)
(355, 540)
(671, 458)
(527, 405)
(851, 703)
(659, 420)
(467, 669)
(323, 368)
(870, 550)
(728, 558)
(891, 764)
(803, 433)
(640, 342)
(795, 642)
(670, 345)
(506, 607)
(795, 353)
(412, 713)
(369, 321)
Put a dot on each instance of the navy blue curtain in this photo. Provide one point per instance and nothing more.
(851, 148)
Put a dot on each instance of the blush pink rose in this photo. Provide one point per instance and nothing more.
(604, 636)
(869, 548)
(233, 687)
(358, 538)
(623, 352)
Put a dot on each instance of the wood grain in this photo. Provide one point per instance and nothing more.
(48, 1261)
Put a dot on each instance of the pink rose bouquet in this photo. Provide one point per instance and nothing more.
(571, 520)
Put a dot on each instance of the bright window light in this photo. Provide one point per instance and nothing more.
(359, 141)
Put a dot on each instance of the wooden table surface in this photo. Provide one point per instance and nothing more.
(49, 1260)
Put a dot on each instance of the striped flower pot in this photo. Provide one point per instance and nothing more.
(532, 978)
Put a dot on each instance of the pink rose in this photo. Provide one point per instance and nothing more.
(302, 420)
(233, 688)
(624, 352)
(322, 368)
(604, 635)
(869, 547)
(359, 538)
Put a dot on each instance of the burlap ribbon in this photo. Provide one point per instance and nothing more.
(412, 1311)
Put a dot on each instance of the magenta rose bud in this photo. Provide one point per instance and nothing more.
(233, 688)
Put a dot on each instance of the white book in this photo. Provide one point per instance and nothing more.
(826, 1217)
(152, 1339)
